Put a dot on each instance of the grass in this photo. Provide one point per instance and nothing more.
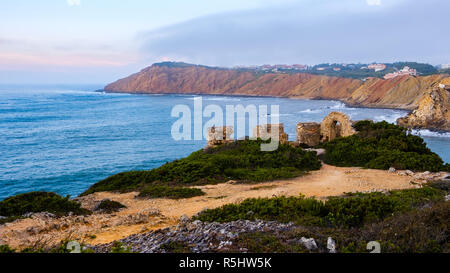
(381, 146)
(159, 191)
(16, 206)
(242, 161)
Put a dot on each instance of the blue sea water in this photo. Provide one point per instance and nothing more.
(66, 138)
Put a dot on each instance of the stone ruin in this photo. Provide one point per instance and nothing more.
(308, 133)
(334, 125)
(219, 135)
(265, 132)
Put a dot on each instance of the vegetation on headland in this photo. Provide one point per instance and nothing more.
(353, 210)
(16, 206)
(414, 220)
(241, 161)
(418, 231)
(380, 146)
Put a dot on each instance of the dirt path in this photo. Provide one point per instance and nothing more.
(143, 215)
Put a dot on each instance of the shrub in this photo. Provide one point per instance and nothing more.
(159, 191)
(423, 230)
(381, 146)
(241, 160)
(39, 202)
(349, 211)
(283, 209)
(6, 249)
(109, 206)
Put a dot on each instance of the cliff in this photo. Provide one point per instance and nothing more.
(403, 92)
(433, 112)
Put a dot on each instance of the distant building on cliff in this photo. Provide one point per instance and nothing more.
(377, 67)
(404, 71)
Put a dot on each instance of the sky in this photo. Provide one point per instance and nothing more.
(99, 41)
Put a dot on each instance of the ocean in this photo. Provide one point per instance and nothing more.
(65, 138)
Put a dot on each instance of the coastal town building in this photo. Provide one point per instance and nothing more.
(377, 67)
(404, 71)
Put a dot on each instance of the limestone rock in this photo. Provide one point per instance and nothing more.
(331, 245)
(310, 244)
(433, 112)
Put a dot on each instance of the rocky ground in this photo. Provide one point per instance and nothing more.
(195, 236)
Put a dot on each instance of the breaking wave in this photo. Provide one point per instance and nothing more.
(428, 133)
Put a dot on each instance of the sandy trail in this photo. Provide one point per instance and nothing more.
(148, 214)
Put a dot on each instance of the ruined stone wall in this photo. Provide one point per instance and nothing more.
(336, 124)
(265, 132)
(219, 135)
(308, 133)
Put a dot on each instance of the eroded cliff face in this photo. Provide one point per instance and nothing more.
(203, 80)
(433, 112)
(404, 92)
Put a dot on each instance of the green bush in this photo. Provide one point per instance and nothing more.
(381, 146)
(160, 191)
(241, 160)
(349, 211)
(6, 249)
(109, 206)
(423, 230)
(39, 202)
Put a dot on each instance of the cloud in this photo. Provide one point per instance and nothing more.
(310, 32)
(373, 2)
(74, 2)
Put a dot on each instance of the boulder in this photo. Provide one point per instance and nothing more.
(310, 244)
(331, 245)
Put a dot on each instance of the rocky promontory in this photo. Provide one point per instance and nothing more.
(403, 92)
(433, 111)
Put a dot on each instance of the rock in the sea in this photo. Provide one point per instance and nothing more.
(331, 245)
(391, 170)
(310, 244)
(433, 111)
